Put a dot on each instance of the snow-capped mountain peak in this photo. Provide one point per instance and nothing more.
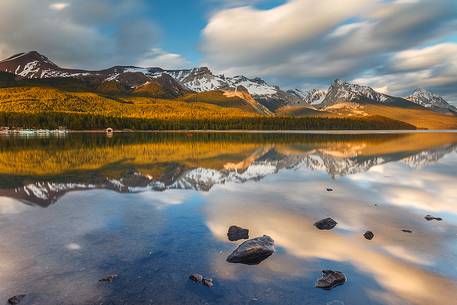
(311, 97)
(341, 91)
(428, 99)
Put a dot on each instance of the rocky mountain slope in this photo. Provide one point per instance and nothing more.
(431, 101)
(263, 97)
(344, 92)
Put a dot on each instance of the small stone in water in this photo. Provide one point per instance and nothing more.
(16, 299)
(329, 190)
(108, 279)
(330, 279)
(200, 279)
(196, 277)
(208, 283)
(368, 235)
(430, 218)
(236, 233)
(407, 231)
(325, 224)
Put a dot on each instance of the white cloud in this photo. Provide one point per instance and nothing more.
(159, 58)
(85, 34)
(58, 6)
(310, 41)
(433, 67)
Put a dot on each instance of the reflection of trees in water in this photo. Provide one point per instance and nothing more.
(40, 170)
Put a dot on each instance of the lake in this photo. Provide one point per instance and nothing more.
(154, 208)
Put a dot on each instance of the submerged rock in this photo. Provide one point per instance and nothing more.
(236, 233)
(430, 218)
(329, 190)
(16, 299)
(407, 231)
(208, 282)
(330, 279)
(325, 224)
(108, 279)
(368, 235)
(253, 251)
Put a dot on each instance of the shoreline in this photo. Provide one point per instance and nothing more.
(272, 131)
(233, 131)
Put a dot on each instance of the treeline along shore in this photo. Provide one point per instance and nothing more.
(85, 121)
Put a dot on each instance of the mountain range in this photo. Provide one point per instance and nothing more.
(341, 98)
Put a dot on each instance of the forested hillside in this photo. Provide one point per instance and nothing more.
(44, 107)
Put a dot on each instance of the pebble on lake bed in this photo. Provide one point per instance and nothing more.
(325, 224)
(236, 233)
(16, 299)
(368, 235)
(108, 279)
(430, 218)
(330, 279)
(208, 282)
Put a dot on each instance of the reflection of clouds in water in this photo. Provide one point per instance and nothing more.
(11, 206)
(73, 247)
(168, 197)
(289, 204)
(426, 190)
(67, 246)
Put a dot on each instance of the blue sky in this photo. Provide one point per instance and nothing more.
(394, 46)
(182, 21)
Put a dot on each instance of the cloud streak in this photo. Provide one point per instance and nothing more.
(314, 42)
(77, 33)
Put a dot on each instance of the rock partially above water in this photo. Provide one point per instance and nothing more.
(325, 224)
(108, 279)
(330, 279)
(208, 282)
(253, 251)
(196, 277)
(368, 235)
(430, 218)
(407, 231)
(329, 190)
(16, 299)
(236, 233)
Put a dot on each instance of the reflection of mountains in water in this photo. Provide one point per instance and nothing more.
(338, 159)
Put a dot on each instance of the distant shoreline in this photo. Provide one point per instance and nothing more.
(272, 131)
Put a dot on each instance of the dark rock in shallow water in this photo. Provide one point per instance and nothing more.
(430, 218)
(330, 279)
(108, 279)
(196, 277)
(329, 190)
(200, 279)
(236, 233)
(368, 235)
(325, 224)
(407, 231)
(208, 283)
(16, 299)
(253, 251)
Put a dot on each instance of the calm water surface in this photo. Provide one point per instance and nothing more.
(155, 208)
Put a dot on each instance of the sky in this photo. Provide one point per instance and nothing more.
(394, 46)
